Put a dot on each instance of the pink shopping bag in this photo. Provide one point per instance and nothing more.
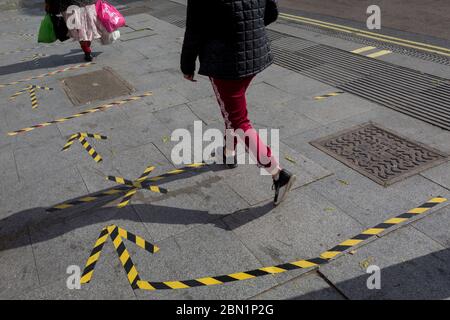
(109, 16)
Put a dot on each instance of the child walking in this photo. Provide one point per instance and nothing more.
(83, 24)
(230, 40)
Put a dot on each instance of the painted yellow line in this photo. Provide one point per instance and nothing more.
(379, 53)
(370, 35)
(363, 49)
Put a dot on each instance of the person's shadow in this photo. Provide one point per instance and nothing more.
(14, 229)
(46, 62)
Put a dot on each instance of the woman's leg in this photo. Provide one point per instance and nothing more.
(86, 47)
(233, 104)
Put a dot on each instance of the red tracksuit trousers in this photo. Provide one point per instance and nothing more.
(231, 95)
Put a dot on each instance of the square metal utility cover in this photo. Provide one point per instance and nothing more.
(103, 84)
(379, 154)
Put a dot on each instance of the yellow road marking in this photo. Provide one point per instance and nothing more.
(379, 53)
(363, 49)
(371, 35)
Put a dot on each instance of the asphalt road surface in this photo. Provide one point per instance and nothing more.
(425, 17)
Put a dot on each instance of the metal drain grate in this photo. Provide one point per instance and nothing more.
(423, 96)
(379, 154)
(427, 56)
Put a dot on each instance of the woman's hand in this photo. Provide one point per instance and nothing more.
(190, 77)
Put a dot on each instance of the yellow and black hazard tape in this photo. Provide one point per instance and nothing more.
(117, 234)
(122, 189)
(325, 257)
(329, 95)
(137, 184)
(83, 65)
(97, 109)
(81, 136)
(32, 92)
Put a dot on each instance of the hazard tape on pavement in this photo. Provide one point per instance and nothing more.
(329, 95)
(84, 65)
(97, 109)
(136, 184)
(117, 235)
(32, 93)
(324, 258)
(81, 137)
(123, 189)
(127, 198)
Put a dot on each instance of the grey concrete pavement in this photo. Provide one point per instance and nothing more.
(218, 221)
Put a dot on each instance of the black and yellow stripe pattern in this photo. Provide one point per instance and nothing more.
(90, 150)
(324, 258)
(124, 189)
(32, 92)
(328, 95)
(137, 184)
(81, 137)
(84, 65)
(117, 235)
(97, 109)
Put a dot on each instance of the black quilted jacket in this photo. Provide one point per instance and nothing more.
(228, 37)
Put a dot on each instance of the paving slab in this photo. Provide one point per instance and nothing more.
(331, 109)
(307, 287)
(40, 192)
(41, 160)
(176, 117)
(296, 84)
(439, 175)
(207, 109)
(255, 188)
(302, 227)
(70, 241)
(17, 267)
(199, 201)
(267, 95)
(278, 116)
(413, 266)
(371, 203)
(8, 169)
(436, 226)
(108, 286)
(193, 90)
(132, 162)
(203, 251)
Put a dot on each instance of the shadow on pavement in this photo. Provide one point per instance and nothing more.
(15, 229)
(423, 278)
(56, 60)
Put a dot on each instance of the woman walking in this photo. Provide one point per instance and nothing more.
(230, 40)
(82, 22)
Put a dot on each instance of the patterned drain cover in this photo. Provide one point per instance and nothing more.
(379, 154)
